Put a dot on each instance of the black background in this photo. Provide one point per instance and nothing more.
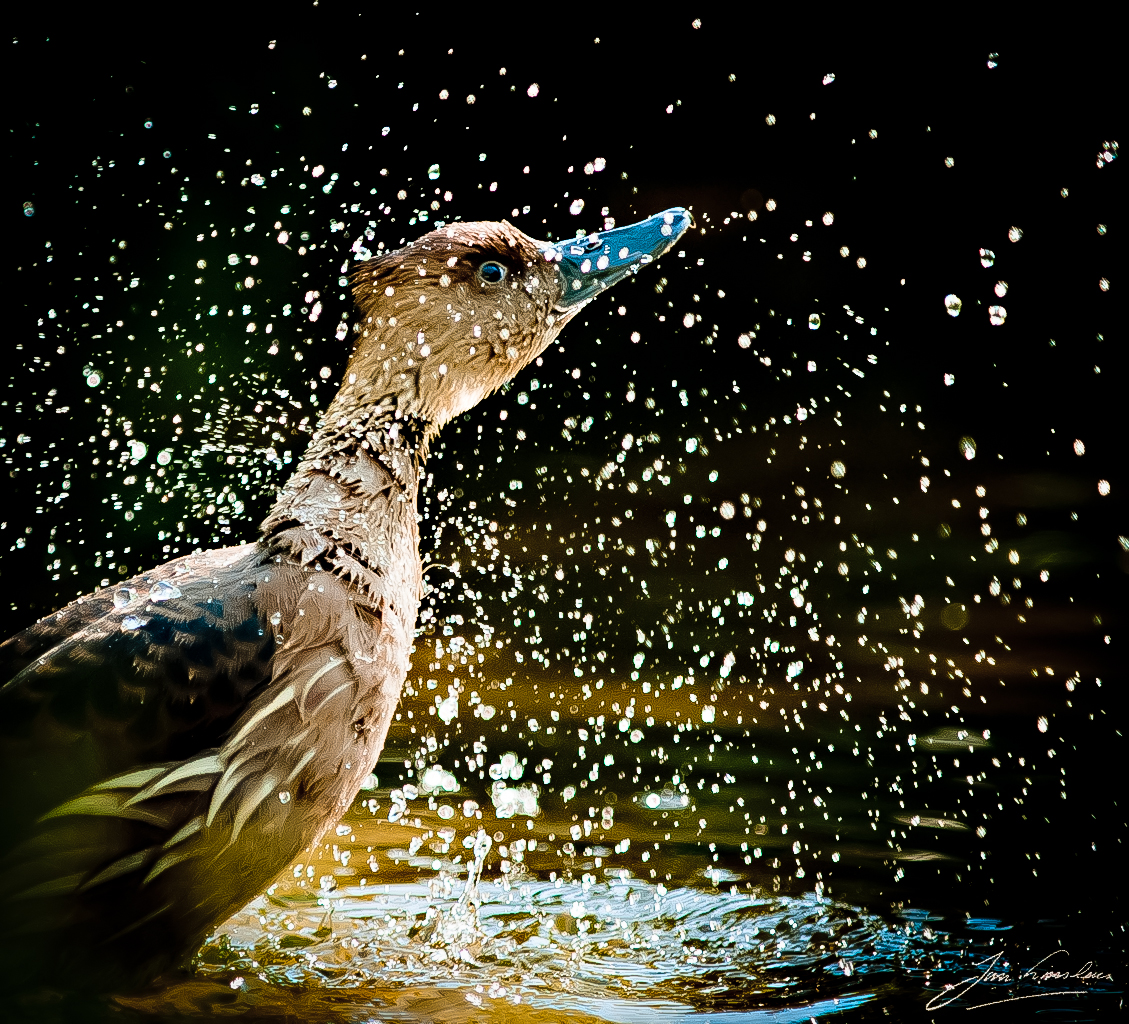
(1019, 134)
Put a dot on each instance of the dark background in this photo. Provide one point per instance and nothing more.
(1019, 134)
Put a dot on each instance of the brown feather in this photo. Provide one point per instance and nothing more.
(170, 744)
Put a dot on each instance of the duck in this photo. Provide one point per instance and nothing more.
(171, 743)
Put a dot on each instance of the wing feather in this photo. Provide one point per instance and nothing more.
(181, 743)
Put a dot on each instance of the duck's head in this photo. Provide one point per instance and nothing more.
(457, 313)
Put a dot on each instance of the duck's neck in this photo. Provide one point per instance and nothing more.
(355, 488)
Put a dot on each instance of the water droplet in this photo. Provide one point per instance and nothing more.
(952, 304)
(968, 448)
(814, 321)
(996, 315)
(284, 796)
(132, 622)
(276, 618)
(1000, 289)
(987, 258)
(1014, 234)
(162, 591)
(448, 709)
(838, 469)
(438, 780)
(123, 596)
(513, 800)
(433, 171)
(576, 206)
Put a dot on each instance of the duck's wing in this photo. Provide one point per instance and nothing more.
(152, 670)
(117, 722)
(168, 748)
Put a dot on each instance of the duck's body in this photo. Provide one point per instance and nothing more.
(170, 744)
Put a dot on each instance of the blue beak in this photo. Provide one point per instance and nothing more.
(590, 265)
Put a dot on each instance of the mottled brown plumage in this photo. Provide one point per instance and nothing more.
(170, 744)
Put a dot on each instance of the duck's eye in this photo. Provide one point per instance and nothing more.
(492, 272)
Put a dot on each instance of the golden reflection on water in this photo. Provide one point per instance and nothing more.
(863, 757)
